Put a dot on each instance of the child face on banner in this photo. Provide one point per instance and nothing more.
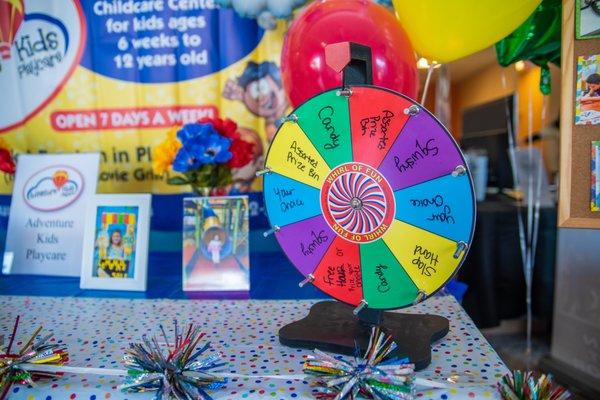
(115, 238)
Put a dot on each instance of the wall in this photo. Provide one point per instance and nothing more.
(576, 331)
(486, 86)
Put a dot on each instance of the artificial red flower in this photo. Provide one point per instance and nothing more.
(7, 163)
(219, 191)
(225, 127)
(242, 151)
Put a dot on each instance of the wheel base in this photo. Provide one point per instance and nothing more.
(331, 326)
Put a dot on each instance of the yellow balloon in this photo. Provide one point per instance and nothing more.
(446, 30)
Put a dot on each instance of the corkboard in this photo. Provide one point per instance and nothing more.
(575, 140)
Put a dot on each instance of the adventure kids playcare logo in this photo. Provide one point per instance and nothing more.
(53, 188)
(41, 43)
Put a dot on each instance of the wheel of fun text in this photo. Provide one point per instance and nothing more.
(369, 197)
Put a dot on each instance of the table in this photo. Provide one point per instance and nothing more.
(96, 330)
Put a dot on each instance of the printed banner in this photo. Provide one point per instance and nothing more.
(111, 76)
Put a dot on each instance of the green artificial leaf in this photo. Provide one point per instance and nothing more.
(177, 180)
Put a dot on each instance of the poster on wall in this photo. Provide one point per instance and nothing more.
(47, 213)
(587, 19)
(113, 76)
(216, 244)
(587, 95)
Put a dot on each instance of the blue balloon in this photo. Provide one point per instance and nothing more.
(249, 8)
(266, 20)
(266, 12)
(280, 8)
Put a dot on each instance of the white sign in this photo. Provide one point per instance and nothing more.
(47, 213)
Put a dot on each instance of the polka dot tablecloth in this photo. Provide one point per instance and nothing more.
(96, 331)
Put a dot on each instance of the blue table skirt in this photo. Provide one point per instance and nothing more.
(272, 276)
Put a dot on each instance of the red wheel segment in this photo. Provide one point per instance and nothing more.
(376, 119)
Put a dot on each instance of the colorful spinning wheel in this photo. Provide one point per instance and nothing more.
(369, 197)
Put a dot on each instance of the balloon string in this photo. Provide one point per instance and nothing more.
(528, 231)
(427, 81)
(123, 372)
(529, 265)
(533, 214)
(536, 225)
(513, 167)
(538, 194)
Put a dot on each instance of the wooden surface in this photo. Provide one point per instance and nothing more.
(575, 140)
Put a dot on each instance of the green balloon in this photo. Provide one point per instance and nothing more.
(536, 40)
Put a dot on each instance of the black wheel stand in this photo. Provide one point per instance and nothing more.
(331, 326)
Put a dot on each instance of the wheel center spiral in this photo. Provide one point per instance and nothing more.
(357, 202)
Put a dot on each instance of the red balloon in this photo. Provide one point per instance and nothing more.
(303, 67)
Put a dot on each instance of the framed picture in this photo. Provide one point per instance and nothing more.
(595, 173)
(115, 249)
(215, 244)
(587, 97)
(587, 19)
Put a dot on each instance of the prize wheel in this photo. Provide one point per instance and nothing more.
(369, 197)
